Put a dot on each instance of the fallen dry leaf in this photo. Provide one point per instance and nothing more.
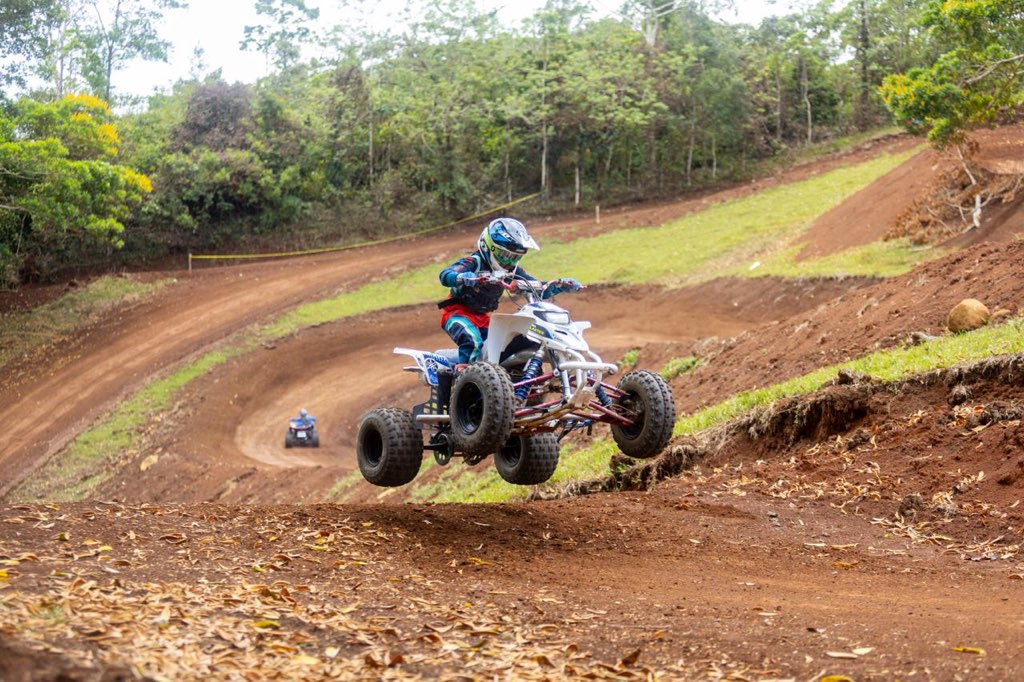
(977, 651)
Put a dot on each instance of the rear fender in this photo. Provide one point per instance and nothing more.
(427, 364)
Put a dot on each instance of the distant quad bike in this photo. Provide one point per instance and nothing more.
(301, 435)
(536, 382)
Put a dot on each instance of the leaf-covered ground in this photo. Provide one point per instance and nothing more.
(735, 572)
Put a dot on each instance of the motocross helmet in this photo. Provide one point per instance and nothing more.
(505, 241)
(303, 413)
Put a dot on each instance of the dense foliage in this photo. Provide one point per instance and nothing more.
(977, 79)
(453, 112)
(63, 196)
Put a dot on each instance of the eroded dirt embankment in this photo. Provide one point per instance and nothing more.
(881, 316)
(942, 451)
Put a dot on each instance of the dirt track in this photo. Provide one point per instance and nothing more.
(43, 405)
(756, 565)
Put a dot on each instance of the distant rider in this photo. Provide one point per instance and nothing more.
(468, 308)
(305, 419)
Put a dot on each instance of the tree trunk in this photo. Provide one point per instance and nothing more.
(778, 103)
(579, 172)
(805, 88)
(370, 151)
(577, 199)
(689, 154)
(714, 157)
(508, 176)
(110, 71)
(863, 46)
(544, 160)
(544, 124)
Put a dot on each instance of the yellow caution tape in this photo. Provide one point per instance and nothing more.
(361, 244)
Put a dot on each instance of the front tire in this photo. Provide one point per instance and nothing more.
(389, 447)
(528, 460)
(648, 401)
(482, 410)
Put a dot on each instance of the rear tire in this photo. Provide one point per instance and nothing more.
(315, 440)
(389, 447)
(289, 439)
(528, 460)
(482, 410)
(648, 401)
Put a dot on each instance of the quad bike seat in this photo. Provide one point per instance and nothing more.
(448, 355)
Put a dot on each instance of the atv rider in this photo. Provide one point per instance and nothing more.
(305, 419)
(468, 308)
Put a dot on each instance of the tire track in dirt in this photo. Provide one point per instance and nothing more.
(183, 321)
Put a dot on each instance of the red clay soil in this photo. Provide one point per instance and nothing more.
(868, 215)
(907, 201)
(880, 316)
(850, 534)
(943, 211)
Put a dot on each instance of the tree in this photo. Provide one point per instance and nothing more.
(979, 76)
(885, 36)
(19, 36)
(62, 193)
(286, 30)
(122, 30)
(64, 42)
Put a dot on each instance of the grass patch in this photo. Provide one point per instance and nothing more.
(343, 487)
(679, 366)
(85, 464)
(877, 259)
(700, 246)
(414, 286)
(889, 365)
(462, 485)
(21, 333)
(630, 359)
(697, 247)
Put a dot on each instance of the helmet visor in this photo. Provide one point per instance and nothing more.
(505, 257)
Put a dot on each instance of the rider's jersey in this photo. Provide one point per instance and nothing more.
(476, 303)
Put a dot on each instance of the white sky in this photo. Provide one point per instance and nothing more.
(217, 27)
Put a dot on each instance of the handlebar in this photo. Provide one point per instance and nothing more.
(518, 284)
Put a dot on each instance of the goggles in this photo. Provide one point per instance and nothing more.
(504, 256)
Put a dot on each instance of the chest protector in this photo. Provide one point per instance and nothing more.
(480, 299)
(483, 298)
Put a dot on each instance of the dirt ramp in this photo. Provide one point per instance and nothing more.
(972, 195)
(869, 214)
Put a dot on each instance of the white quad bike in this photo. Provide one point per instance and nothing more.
(536, 382)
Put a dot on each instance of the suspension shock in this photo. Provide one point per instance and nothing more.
(602, 396)
(531, 371)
